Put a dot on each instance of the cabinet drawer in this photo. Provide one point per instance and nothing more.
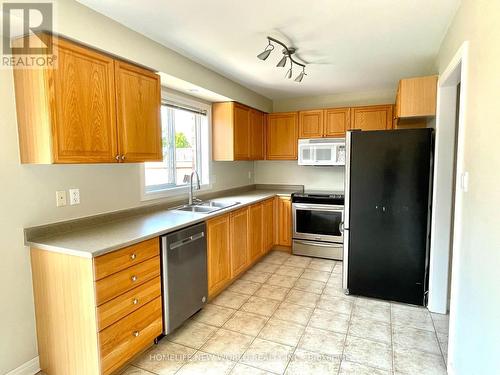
(123, 305)
(108, 264)
(121, 282)
(129, 336)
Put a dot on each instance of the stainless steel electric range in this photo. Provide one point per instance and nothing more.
(318, 219)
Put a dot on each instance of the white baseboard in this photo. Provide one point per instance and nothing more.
(29, 368)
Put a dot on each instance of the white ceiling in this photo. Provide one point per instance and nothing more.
(349, 45)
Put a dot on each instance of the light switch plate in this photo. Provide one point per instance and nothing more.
(61, 200)
(74, 196)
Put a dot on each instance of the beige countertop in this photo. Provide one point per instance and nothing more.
(106, 237)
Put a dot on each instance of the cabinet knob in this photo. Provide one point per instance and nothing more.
(135, 301)
(117, 157)
(133, 278)
(133, 256)
(135, 333)
(123, 157)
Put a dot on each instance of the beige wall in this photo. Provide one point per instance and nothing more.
(477, 314)
(27, 191)
(337, 100)
(289, 172)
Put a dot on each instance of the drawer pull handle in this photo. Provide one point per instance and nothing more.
(135, 301)
(133, 278)
(133, 256)
(135, 333)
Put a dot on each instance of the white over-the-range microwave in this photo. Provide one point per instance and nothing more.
(322, 151)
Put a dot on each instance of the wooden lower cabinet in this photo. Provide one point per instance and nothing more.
(239, 241)
(268, 225)
(255, 231)
(284, 221)
(218, 253)
(81, 335)
(124, 339)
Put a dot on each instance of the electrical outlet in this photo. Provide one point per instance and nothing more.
(61, 198)
(74, 196)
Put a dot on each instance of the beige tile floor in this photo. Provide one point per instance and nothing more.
(289, 315)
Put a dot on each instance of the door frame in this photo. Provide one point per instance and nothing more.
(442, 215)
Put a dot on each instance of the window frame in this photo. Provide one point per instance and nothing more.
(147, 194)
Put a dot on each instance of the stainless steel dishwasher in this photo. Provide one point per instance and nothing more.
(184, 274)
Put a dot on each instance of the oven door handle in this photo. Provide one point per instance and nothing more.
(318, 207)
(341, 227)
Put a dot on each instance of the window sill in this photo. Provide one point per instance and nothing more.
(171, 193)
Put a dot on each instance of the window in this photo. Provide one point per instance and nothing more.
(185, 139)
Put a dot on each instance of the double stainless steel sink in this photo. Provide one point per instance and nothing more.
(205, 207)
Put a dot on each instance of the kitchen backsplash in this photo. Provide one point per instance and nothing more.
(288, 172)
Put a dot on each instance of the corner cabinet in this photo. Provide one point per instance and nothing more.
(92, 109)
(282, 136)
(237, 132)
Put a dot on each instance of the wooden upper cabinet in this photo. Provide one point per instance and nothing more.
(70, 114)
(337, 122)
(241, 132)
(416, 97)
(67, 115)
(218, 253)
(239, 241)
(282, 136)
(311, 124)
(237, 132)
(138, 94)
(257, 149)
(376, 117)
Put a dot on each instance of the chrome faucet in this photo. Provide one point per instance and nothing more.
(191, 186)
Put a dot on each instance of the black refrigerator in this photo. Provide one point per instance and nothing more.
(387, 214)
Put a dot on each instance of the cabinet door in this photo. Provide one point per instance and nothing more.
(84, 118)
(138, 110)
(239, 241)
(416, 97)
(255, 231)
(377, 117)
(241, 132)
(282, 136)
(256, 135)
(284, 221)
(218, 254)
(311, 124)
(336, 122)
(268, 224)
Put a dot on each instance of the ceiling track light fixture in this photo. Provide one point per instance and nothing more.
(287, 55)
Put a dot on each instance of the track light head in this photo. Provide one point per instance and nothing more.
(300, 77)
(265, 54)
(282, 62)
(287, 55)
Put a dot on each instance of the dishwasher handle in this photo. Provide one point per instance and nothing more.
(187, 240)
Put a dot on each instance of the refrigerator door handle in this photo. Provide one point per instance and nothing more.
(347, 207)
